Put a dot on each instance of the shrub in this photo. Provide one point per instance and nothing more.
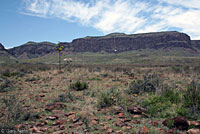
(79, 86)
(6, 73)
(32, 79)
(148, 84)
(165, 105)
(192, 97)
(108, 98)
(6, 86)
(67, 97)
(15, 114)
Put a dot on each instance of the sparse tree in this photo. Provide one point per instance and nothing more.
(59, 48)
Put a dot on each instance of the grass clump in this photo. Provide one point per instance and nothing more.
(108, 98)
(79, 86)
(164, 106)
(15, 113)
(148, 84)
(6, 85)
(192, 99)
(67, 97)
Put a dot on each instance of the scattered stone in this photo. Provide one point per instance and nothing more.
(53, 106)
(194, 123)
(144, 130)
(43, 129)
(93, 122)
(108, 117)
(110, 131)
(136, 116)
(70, 113)
(179, 122)
(42, 95)
(52, 117)
(121, 115)
(136, 109)
(76, 119)
(60, 122)
(193, 131)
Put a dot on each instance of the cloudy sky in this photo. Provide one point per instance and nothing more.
(65, 20)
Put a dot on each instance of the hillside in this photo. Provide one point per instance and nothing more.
(32, 50)
(5, 57)
(160, 42)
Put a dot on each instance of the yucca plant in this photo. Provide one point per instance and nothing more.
(59, 48)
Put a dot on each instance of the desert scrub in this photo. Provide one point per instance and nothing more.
(67, 97)
(79, 86)
(15, 113)
(164, 106)
(192, 99)
(108, 98)
(148, 84)
(32, 79)
(6, 85)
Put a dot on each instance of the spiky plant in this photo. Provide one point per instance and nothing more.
(59, 48)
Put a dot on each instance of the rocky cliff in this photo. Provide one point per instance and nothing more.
(2, 47)
(196, 43)
(32, 50)
(121, 42)
(115, 42)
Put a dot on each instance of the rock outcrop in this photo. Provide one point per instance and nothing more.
(32, 50)
(111, 43)
(121, 42)
(2, 47)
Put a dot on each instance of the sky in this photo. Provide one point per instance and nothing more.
(64, 20)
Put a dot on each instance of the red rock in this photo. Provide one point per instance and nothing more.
(43, 129)
(93, 122)
(136, 116)
(60, 122)
(52, 117)
(110, 131)
(121, 115)
(179, 122)
(70, 113)
(108, 117)
(62, 127)
(58, 111)
(193, 131)
(55, 105)
(144, 130)
(194, 123)
(42, 95)
(75, 119)
(120, 132)
(19, 126)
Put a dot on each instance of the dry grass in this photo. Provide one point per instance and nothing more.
(40, 88)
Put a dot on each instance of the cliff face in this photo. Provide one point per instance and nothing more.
(32, 50)
(196, 43)
(2, 47)
(122, 42)
(116, 42)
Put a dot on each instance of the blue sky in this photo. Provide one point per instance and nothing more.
(64, 20)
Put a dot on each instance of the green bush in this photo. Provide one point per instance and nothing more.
(67, 97)
(192, 97)
(79, 86)
(6, 85)
(15, 114)
(166, 105)
(108, 98)
(148, 84)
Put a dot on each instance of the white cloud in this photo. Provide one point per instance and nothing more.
(129, 16)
